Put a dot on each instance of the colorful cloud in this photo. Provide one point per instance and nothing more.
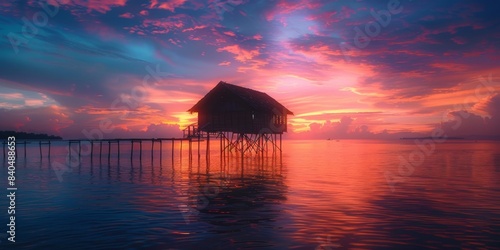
(347, 69)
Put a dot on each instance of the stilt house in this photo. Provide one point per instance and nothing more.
(231, 108)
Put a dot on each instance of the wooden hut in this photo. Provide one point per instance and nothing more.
(231, 108)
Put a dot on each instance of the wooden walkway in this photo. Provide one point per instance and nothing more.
(242, 144)
(95, 145)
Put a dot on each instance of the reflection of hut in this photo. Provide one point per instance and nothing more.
(245, 210)
(229, 109)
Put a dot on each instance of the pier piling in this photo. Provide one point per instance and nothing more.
(228, 143)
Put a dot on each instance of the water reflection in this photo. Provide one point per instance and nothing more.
(321, 193)
(231, 200)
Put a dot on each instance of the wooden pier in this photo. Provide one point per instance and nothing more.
(228, 144)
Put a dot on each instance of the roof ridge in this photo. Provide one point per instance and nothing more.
(238, 86)
(256, 99)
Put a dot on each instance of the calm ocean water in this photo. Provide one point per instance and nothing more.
(319, 195)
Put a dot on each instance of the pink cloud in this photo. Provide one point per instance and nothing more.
(166, 5)
(38, 120)
(241, 54)
(345, 128)
(92, 5)
(197, 27)
(225, 63)
(229, 33)
(286, 7)
(11, 96)
(468, 124)
(127, 15)
(104, 31)
(427, 33)
(175, 42)
(5, 4)
(162, 26)
(459, 40)
(450, 66)
(489, 105)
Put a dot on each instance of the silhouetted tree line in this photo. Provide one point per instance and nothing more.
(28, 136)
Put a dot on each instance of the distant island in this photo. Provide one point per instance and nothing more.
(28, 136)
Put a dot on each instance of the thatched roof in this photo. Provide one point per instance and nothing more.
(257, 100)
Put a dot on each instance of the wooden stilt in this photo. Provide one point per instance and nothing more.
(207, 156)
(274, 145)
(69, 151)
(267, 146)
(281, 150)
(140, 151)
(242, 150)
(152, 148)
(40, 144)
(100, 151)
(131, 150)
(199, 143)
(190, 150)
(49, 149)
(161, 150)
(109, 152)
(264, 141)
(207, 145)
(172, 152)
(281, 142)
(223, 148)
(220, 135)
(226, 153)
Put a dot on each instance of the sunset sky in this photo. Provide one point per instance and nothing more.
(347, 69)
